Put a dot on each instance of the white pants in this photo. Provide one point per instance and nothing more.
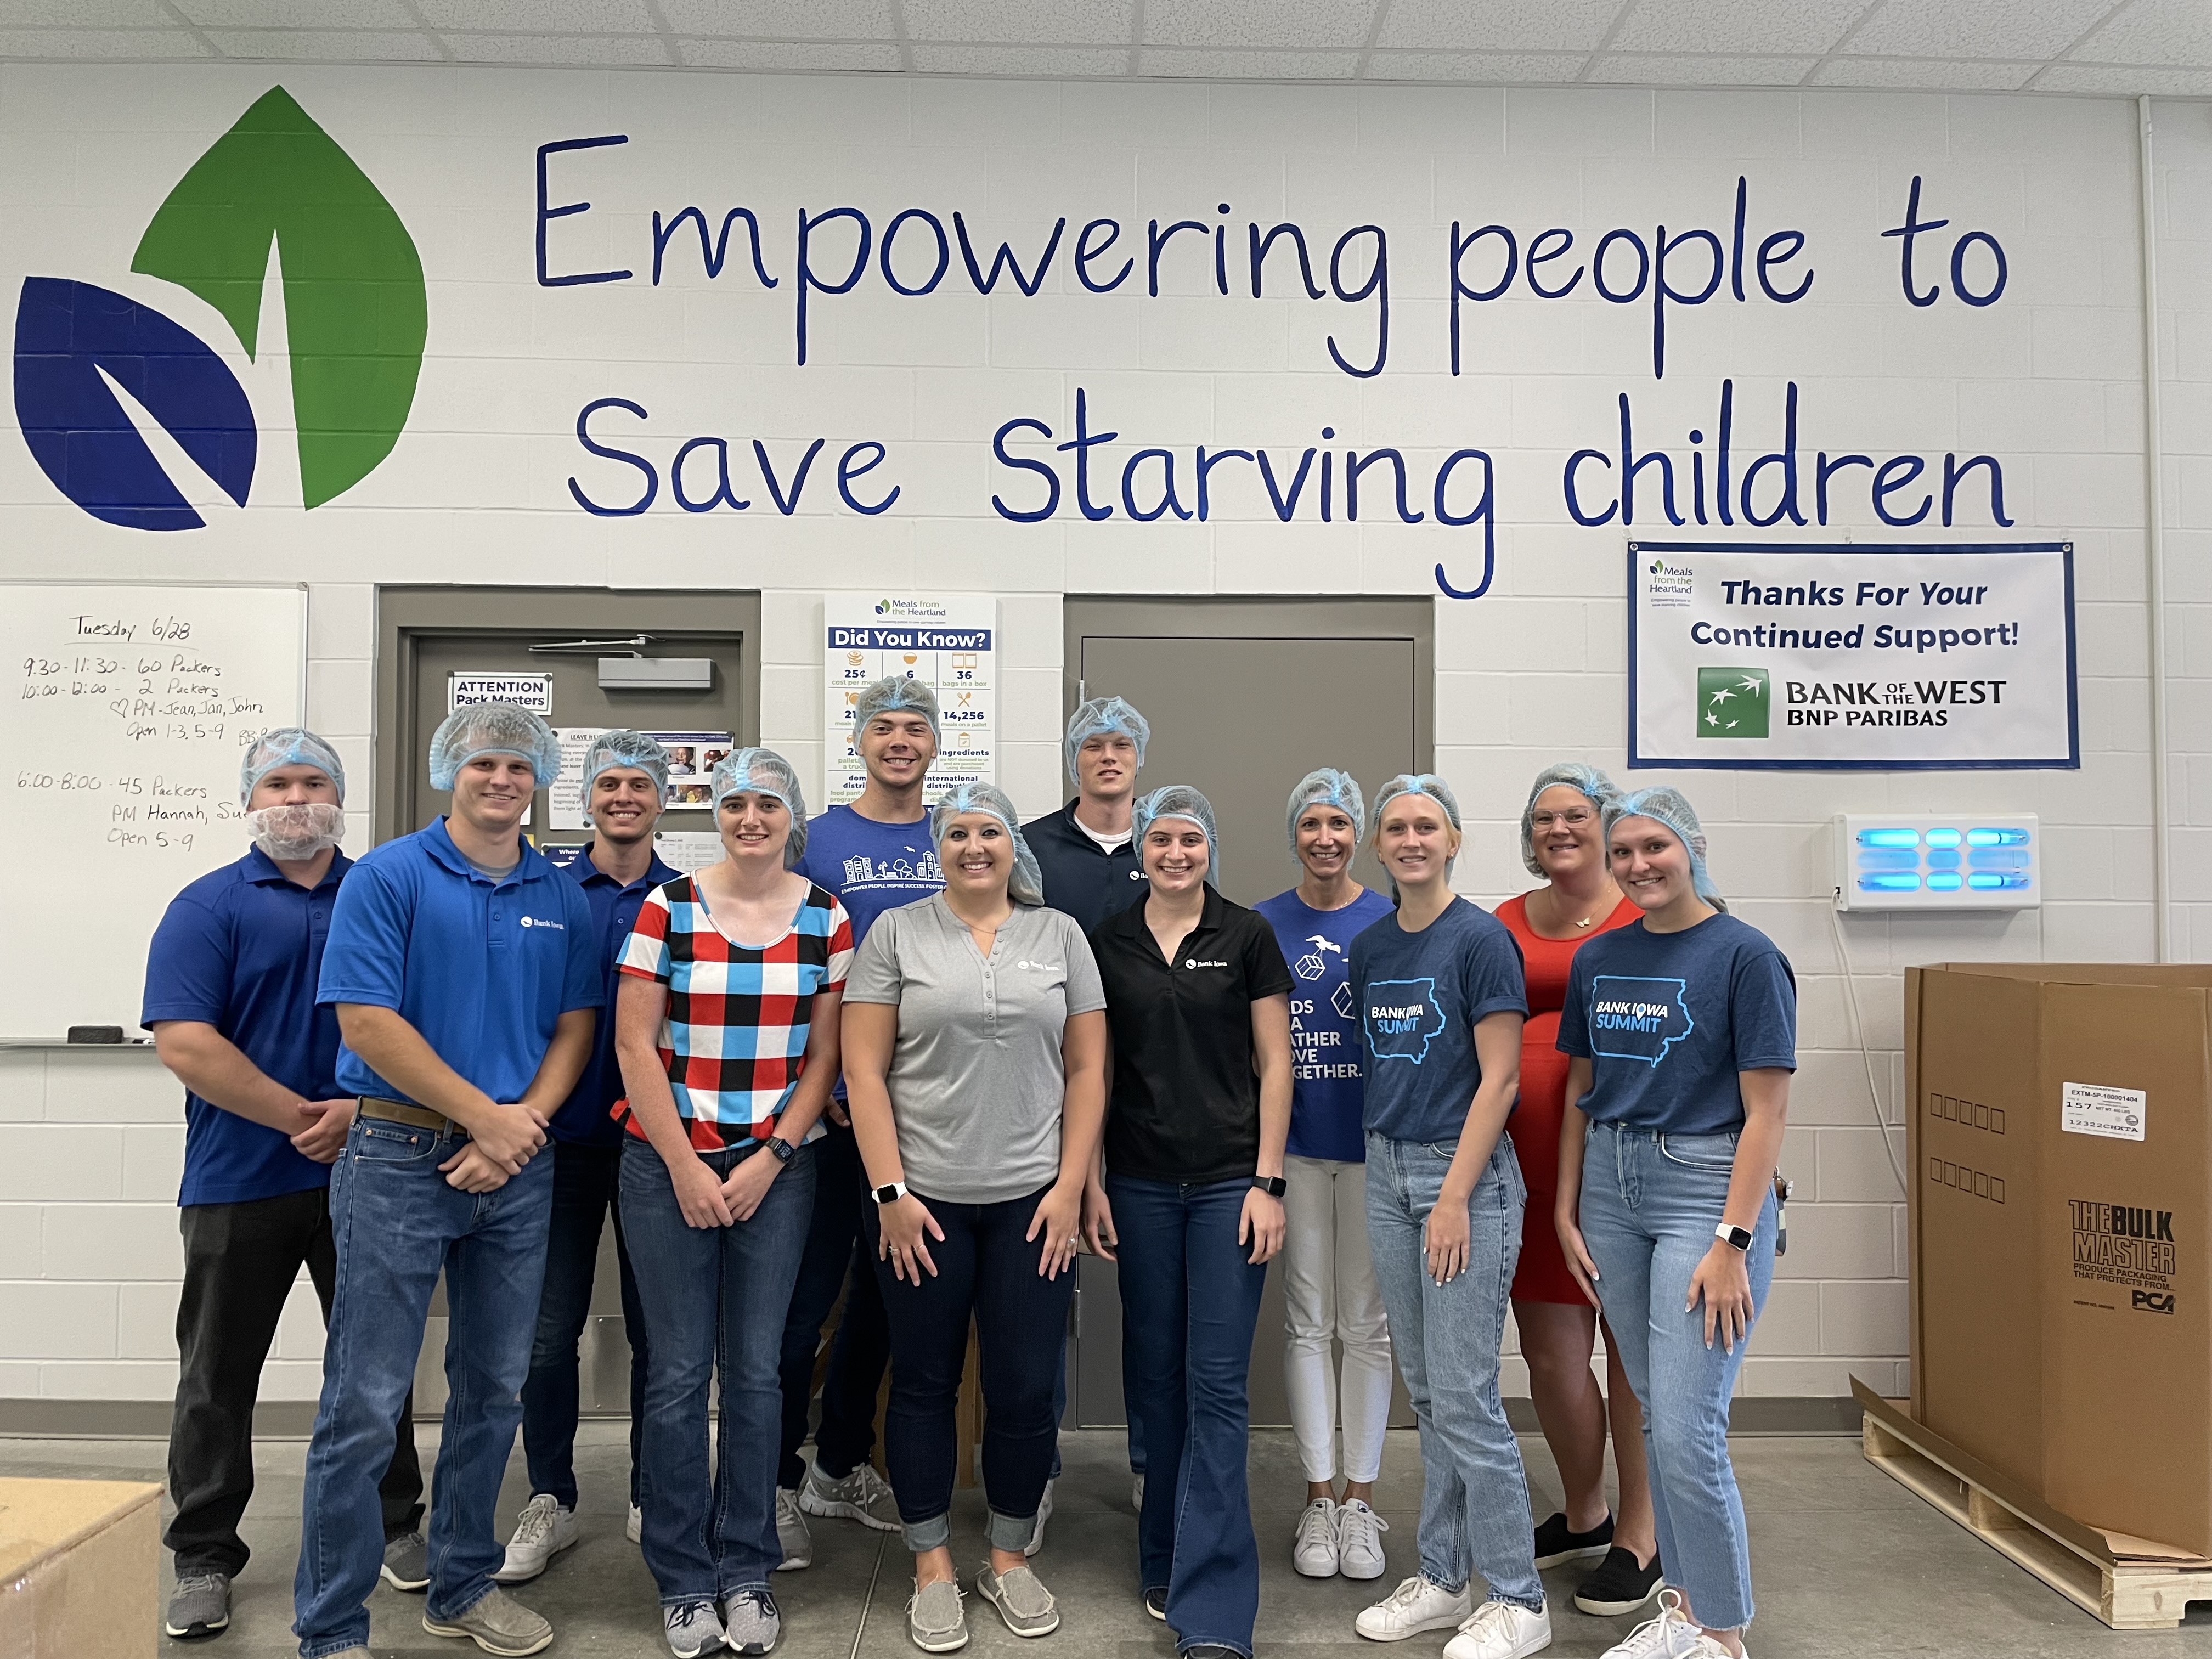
(1329, 1293)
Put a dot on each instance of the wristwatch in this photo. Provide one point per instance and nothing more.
(1273, 1186)
(784, 1150)
(890, 1194)
(1738, 1236)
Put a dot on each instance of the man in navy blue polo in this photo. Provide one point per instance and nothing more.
(465, 975)
(625, 784)
(230, 998)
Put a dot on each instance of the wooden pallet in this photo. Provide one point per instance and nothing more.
(2074, 1559)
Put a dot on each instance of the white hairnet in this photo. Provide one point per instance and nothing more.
(288, 745)
(1416, 783)
(1671, 809)
(492, 728)
(625, 748)
(1176, 800)
(1026, 884)
(890, 693)
(1326, 785)
(764, 772)
(1586, 780)
(1101, 717)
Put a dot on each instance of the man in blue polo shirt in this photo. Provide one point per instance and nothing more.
(625, 783)
(230, 998)
(465, 975)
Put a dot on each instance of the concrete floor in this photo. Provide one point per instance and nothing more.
(1847, 1563)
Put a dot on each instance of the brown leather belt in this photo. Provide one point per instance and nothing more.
(419, 1117)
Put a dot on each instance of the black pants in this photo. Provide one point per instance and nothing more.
(836, 1258)
(241, 1261)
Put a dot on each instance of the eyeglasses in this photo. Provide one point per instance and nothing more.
(1574, 817)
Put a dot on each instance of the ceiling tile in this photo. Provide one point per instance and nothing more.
(1927, 74)
(1486, 68)
(1671, 69)
(573, 50)
(809, 55)
(540, 16)
(97, 43)
(783, 20)
(1251, 65)
(1973, 29)
(297, 13)
(1085, 61)
(1260, 24)
(1733, 26)
(1024, 23)
(2130, 79)
(1503, 26)
(334, 45)
(2165, 32)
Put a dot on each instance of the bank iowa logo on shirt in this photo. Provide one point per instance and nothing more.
(1402, 1018)
(355, 317)
(1633, 1018)
(1732, 702)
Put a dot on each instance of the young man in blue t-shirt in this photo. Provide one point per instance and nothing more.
(230, 998)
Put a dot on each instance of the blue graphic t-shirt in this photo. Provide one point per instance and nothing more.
(1417, 997)
(1667, 1020)
(872, 868)
(1325, 1047)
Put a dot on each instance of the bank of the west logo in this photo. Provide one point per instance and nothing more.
(354, 314)
(1732, 702)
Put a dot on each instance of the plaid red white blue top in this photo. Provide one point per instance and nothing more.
(733, 1042)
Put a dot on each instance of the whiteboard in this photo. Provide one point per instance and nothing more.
(127, 711)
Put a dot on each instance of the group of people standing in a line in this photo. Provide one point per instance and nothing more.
(920, 1053)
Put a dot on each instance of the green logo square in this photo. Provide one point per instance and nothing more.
(1732, 702)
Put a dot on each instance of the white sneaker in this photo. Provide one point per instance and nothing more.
(544, 1531)
(863, 1495)
(793, 1534)
(634, 1528)
(1669, 1636)
(1314, 1553)
(1418, 1604)
(1359, 1540)
(1037, 1537)
(1501, 1630)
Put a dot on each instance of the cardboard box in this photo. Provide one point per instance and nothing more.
(80, 1569)
(2060, 1154)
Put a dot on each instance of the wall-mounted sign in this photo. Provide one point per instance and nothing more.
(949, 644)
(1896, 658)
(531, 691)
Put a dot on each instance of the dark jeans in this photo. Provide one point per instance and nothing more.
(1190, 1300)
(986, 1271)
(585, 1180)
(240, 1261)
(836, 1259)
(715, 1299)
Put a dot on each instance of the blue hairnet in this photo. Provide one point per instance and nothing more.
(1026, 884)
(764, 772)
(1326, 785)
(1586, 780)
(1670, 808)
(288, 745)
(492, 728)
(890, 695)
(1416, 783)
(1101, 717)
(618, 748)
(1176, 800)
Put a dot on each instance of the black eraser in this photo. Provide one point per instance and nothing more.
(96, 1034)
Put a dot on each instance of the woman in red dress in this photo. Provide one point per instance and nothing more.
(1563, 840)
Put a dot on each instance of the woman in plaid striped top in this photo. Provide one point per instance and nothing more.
(728, 1048)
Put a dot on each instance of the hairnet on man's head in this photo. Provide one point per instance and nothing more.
(764, 772)
(620, 748)
(1026, 884)
(1668, 807)
(1588, 782)
(289, 746)
(1102, 717)
(1327, 787)
(891, 695)
(1176, 800)
(492, 728)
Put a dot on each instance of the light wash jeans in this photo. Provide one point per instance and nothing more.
(1329, 1294)
(1649, 1204)
(1474, 1493)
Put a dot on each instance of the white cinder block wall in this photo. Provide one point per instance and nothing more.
(2049, 380)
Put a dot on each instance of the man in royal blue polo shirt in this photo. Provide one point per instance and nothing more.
(625, 783)
(230, 998)
(465, 975)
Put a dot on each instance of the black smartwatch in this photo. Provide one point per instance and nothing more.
(1738, 1236)
(1273, 1186)
(784, 1150)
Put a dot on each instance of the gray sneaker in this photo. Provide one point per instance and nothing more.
(935, 1619)
(406, 1562)
(792, 1536)
(499, 1625)
(694, 1629)
(863, 1495)
(1021, 1599)
(199, 1607)
(752, 1623)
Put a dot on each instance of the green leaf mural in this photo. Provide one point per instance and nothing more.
(354, 303)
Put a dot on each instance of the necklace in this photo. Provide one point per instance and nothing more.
(1558, 913)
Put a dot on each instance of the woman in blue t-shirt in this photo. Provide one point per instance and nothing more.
(1438, 993)
(1329, 1292)
(1681, 1030)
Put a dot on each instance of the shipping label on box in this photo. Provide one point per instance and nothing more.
(2094, 1108)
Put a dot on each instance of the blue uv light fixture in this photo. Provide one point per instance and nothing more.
(1963, 862)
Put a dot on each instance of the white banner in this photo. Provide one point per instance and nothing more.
(1851, 658)
(949, 644)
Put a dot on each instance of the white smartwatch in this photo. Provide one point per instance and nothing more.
(890, 1194)
(1739, 1237)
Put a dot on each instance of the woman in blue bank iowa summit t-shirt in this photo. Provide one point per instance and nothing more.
(1681, 1033)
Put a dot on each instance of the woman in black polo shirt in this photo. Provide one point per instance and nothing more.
(1197, 1002)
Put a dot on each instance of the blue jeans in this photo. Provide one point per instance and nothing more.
(1190, 1301)
(1649, 1204)
(715, 1299)
(395, 1225)
(834, 1260)
(1474, 1493)
(584, 1187)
